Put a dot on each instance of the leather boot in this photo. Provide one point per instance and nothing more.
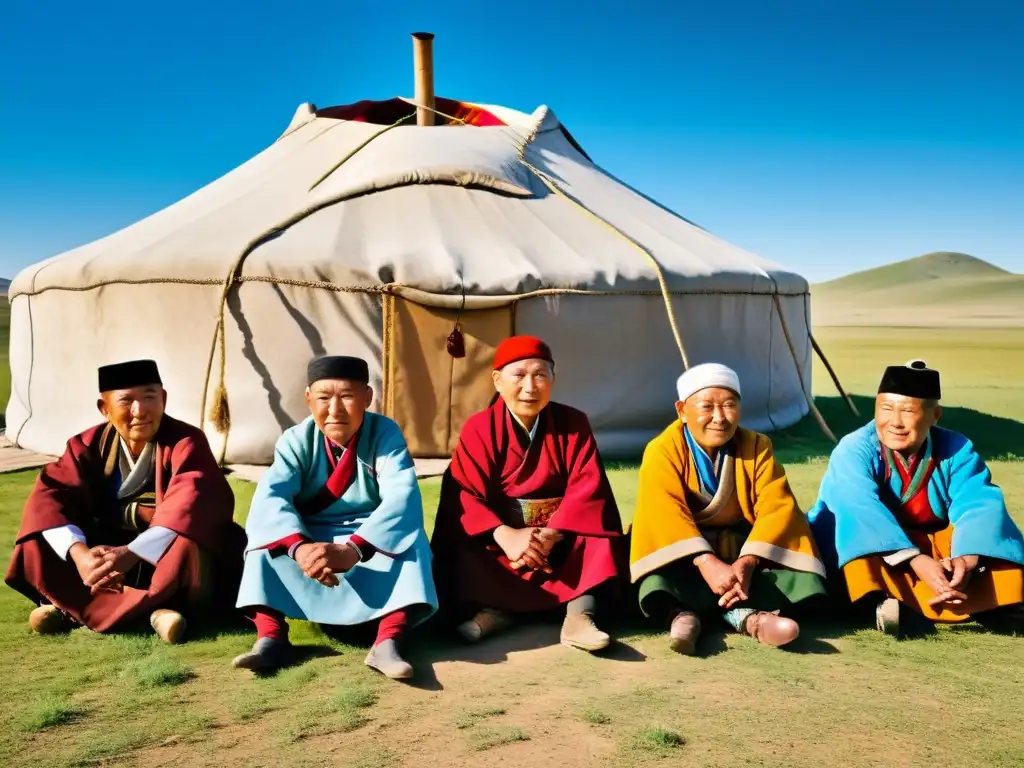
(579, 631)
(683, 633)
(769, 629)
(384, 657)
(486, 622)
(169, 625)
(49, 620)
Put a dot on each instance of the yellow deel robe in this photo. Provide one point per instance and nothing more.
(664, 527)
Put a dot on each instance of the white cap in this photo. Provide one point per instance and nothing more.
(707, 375)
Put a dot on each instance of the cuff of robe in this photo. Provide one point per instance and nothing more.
(152, 543)
(903, 556)
(365, 549)
(285, 546)
(61, 539)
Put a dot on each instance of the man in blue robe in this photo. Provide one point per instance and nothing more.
(907, 512)
(336, 526)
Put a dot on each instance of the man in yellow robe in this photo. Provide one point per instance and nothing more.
(717, 531)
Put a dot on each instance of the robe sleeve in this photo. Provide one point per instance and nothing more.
(780, 532)
(467, 481)
(588, 507)
(663, 528)
(397, 521)
(63, 493)
(272, 514)
(198, 502)
(977, 510)
(849, 504)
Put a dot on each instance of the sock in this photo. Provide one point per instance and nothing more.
(583, 604)
(392, 626)
(737, 618)
(270, 623)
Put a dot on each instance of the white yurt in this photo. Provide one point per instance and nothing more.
(376, 229)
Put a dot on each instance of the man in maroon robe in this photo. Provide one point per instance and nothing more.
(526, 521)
(134, 520)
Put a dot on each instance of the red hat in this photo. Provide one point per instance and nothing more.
(518, 348)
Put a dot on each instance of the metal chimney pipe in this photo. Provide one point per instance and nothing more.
(423, 69)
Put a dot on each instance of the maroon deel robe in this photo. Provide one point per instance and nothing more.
(489, 471)
(193, 499)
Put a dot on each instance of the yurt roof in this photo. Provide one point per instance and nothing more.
(491, 202)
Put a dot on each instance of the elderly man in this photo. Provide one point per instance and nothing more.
(908, 511)
(526, 521)
(134, 519)
(717, 530)
(336, 526)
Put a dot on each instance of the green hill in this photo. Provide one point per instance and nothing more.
(937, 289)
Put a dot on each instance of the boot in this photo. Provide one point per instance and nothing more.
(769, 629)
(384, 657)
(683, 633)
(169, 625)
(579, 631)
(887, 617)
(266, 653)
(49, 620)
(486, 622)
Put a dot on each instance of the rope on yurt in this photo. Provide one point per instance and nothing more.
(800, 372)
(358, 147)
(835, 379)
(220, 413)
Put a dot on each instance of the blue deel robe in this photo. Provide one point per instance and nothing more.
(854, 516)
(382, 505)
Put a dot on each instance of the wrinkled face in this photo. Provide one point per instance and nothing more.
(902, 422)
(135, 413)
(712, 416)
(525, 386)
(338, 406)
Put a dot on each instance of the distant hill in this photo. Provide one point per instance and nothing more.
(4, 285)
(937, 289)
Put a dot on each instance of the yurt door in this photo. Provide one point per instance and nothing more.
(426, 390)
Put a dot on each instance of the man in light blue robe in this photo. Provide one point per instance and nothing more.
(907, 512)
(336, 526)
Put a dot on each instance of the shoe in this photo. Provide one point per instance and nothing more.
(486, 622)
(579, 631)
(49, 620)
(384, 657)
(887, 617)
(169, 625)
(683, 633)
(769, 629)
(266, 653)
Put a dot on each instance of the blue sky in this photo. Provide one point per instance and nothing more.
(827, 136)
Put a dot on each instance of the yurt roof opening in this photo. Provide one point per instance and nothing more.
(377, 229)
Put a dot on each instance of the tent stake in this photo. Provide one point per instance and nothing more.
(835, 378)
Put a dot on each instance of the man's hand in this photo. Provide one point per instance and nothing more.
(99, 567)
(524, 547)
(321, 561)
(961, 567)
(721, 578)
(930, 571)
(744, 570)
(544, 540)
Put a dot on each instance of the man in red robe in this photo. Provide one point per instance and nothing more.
(526, 521)
(134, 520)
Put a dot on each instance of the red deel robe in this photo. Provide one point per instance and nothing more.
(489, 470)
(193, 499)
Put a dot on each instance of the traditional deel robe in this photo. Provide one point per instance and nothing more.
(875, 512)
(328, 494)
(94, 491)
(738, 505)
(500, 475)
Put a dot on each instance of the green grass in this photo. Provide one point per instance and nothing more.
(846, 695)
